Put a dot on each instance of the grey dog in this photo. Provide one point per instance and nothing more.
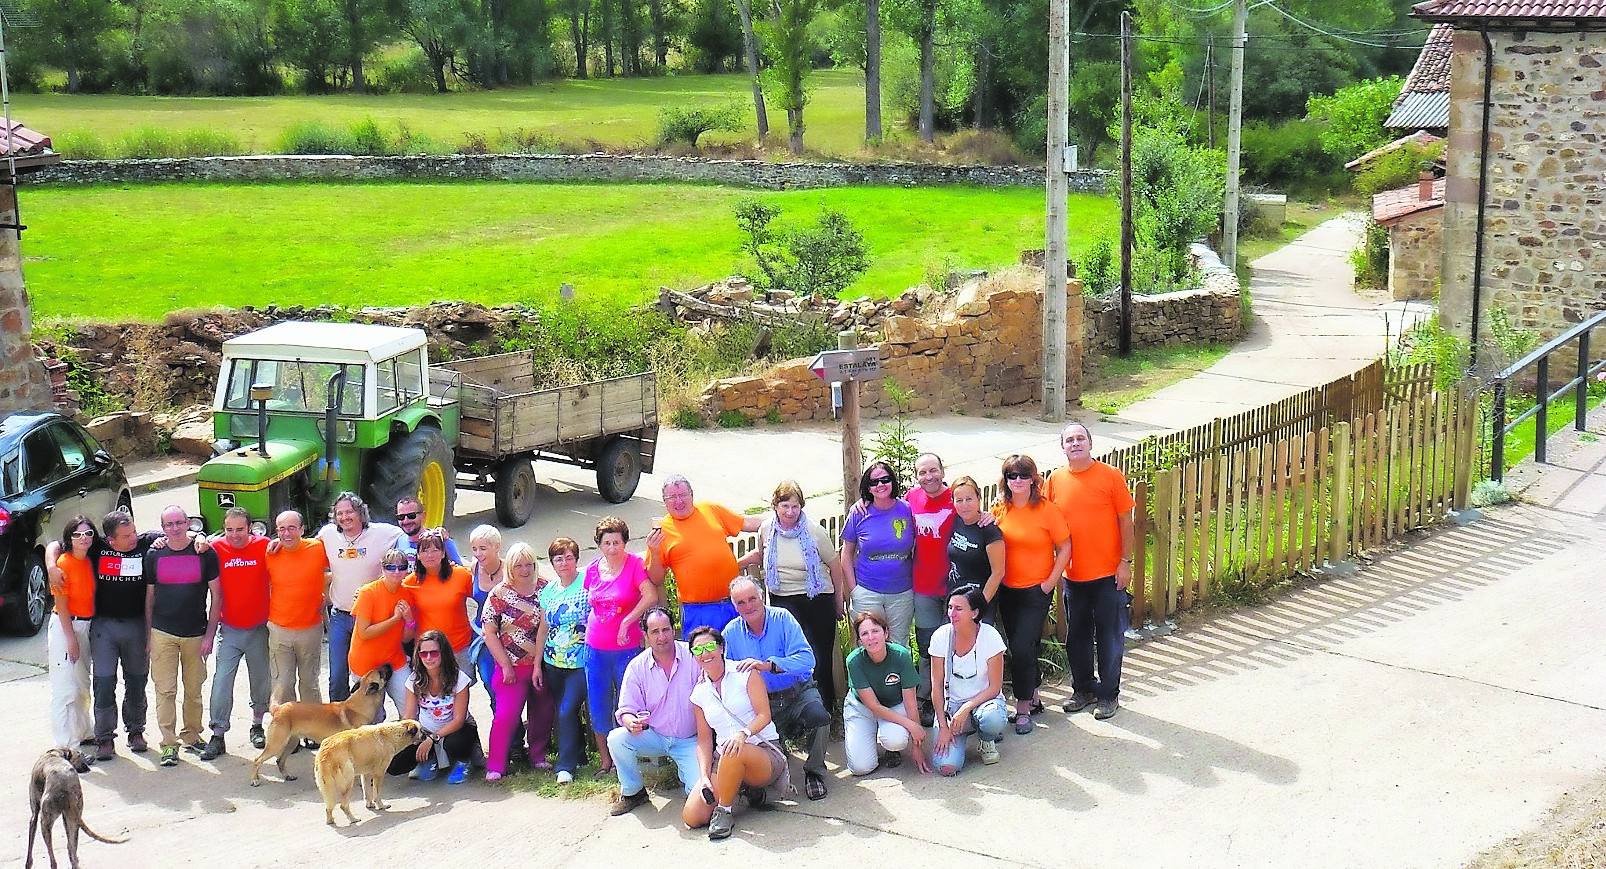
(54, 792)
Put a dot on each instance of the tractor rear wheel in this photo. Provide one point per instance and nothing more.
(419, 465)
(515, 491)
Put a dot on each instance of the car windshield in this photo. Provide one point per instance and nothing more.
(297, 386)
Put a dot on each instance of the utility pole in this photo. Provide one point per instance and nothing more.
(1210, 88)
(1054, 244)
(1126, 184)
(1235, 122)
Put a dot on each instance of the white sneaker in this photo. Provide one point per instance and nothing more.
(989, 752)
(564, 776)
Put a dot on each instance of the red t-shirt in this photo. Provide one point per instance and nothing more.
(243, 577)
(934, 521)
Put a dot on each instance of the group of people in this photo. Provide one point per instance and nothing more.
(942, 592)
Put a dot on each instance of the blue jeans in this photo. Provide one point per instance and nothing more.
(705, 615)
(1096, 618)
(987, 722)
(629, 750)
(605, 674)
(567, 688)
(341, 626)
(485, 663)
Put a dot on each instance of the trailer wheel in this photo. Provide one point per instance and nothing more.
(515, 492)
(619, 469)
(417, 464)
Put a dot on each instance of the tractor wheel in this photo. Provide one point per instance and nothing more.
(619, 469)
(417, 464)
(515, 491)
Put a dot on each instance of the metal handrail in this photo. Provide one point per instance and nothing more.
(1540, 359)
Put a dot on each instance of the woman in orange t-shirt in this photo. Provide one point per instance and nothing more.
(1037, 546)
(439, 591)
(68, 640)
(384, 619)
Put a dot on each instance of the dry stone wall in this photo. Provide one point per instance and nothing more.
(553, 167)
(1416, 253)
(24, 384)
(1210, 314)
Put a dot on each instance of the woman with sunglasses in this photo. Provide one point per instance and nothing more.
(440, 592)
(68, 639)
(1037, 546)
(515, 629)
(967, 683)
(437, 698)
(878, 548)
(619, 592)
(384, 618)
(737, 744)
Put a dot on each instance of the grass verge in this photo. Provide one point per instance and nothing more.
(1113, 383)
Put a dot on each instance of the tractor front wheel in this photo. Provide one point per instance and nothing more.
(417, 464)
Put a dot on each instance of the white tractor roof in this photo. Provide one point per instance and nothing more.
(333, 342)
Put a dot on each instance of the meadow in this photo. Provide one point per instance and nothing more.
(136, 252)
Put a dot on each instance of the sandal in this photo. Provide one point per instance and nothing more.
(1023, 724)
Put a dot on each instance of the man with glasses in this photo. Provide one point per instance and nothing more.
(1098, 510)
(654, 716)
(693, 542)
(297, 595)
(410, 518)
(182, 605)
(355, 547)
(770, 640)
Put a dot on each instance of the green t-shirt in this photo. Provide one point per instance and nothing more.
(888, 678)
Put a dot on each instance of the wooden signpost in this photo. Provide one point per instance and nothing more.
(848, 365)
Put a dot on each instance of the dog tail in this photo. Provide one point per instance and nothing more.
(98, 837)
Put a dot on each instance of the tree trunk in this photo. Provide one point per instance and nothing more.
(440, 74)
(660, 40)
(577, 33)
(750, 51)
(72, 78)
(983, 95)
(359, 82)
(928, 71)
(872, 70)
(607, 37)
(794, 125)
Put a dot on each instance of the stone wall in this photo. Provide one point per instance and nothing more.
(1416, 253)
(24, 385)
(553, 167)
(1210, 314)
(1545, 224)
(981, 350)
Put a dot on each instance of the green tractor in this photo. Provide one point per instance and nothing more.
(304, 411)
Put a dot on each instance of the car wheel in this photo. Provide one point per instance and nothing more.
(27, 614)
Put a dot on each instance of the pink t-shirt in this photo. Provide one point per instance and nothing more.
(611, 601)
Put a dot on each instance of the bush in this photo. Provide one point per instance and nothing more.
(522, 141)
(407, 73)
(1289, 156)
(988, 147)
(368, 139)
(733, 419)
(1176, 198)
(680, 124)
(821, 260)
(1352, 118)
(1371, 259)
(1398, 168)
(1098, 270)
(81, 145)
(314, 137)
(205, 142)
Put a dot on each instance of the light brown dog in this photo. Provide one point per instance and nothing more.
(54, 791)
(361, 753)
(295, 721)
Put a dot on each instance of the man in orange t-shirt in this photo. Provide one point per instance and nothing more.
(1098, 510)
(242, 627)
(298, 586)
(693, 543)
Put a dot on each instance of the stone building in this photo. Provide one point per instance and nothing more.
(1424, 100)
(24, 384)
(1525, 189)
(1414, 218)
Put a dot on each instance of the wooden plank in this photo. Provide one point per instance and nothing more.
(579, 412)
(1263, 511)
(1140, 554)
(1165, 482)
(1308, 502)
(1281, 524)
(1326, 494)
(1189, 517)
(1208, 519)
(1217, 549)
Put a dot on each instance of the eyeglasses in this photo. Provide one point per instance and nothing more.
(1017, 475)
(395, 568)
(82, 534)
(704, 648)
(413, 515)
(880, 481)
(429, 653)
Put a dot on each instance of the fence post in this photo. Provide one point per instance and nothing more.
(1542, 418)
(1582, 400)
(1497, 433)
(1165, 492)
(1140, 551)
(1341, 493)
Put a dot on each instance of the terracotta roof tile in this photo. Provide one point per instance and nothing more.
(1420, 137)
(25, 140)
(1431, 73)
(1542, 10)
(1391, 205)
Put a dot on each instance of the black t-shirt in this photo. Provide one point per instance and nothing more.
(120, 578)
(967, 553)
(182, 578)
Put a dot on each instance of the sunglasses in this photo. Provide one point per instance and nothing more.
(81, 534)
(408, 515)
(880, 481)
(429, 653)
(1017, 475)
(395, 568)
(704, 648)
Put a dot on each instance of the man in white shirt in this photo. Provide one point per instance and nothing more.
(356, 547)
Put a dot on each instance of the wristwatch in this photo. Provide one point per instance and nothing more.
(775, 666)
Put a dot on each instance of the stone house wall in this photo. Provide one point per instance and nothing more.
(981, 351)
(1545, 224)
(1416, 253)
(24, 384)
(553, 167)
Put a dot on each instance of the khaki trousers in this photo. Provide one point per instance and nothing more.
(171, 656)
(294, 656)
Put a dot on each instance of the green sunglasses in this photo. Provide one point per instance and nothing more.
(704, 648)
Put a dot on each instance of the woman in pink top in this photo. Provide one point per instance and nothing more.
(620, 591)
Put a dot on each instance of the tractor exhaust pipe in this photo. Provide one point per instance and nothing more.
(331, 412)
(260, 393)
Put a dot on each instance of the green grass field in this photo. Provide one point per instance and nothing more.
(616, 113)
(139, 251)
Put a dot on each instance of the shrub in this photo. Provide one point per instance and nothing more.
(81, 145)
(313, 137)
(368, 139)
(733, 419)
(474, 143)
(409, 142)
(148, 143)
(1352, 118)
(204, 142)
(523, 141)
(687, 417)
(821, 260)
(1371, 259)
(1398, 168)
(686, 124)
(1289, 156)
(989, 147)
(1176, 198)
(1098, 270)
(894, 441)
(408, 72)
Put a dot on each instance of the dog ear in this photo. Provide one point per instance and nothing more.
(386, 671)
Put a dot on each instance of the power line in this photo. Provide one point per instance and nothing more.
(1328, 33)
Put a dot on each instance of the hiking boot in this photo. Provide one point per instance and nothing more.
(214, 748)
(893, 760)
(459, 773)
(624, 804)
(989, 752)
(1106, 709)
(259, 739)
(721, 824)
(136, 743)
(105, 750)
(169, 755)
(814, 785)
(1078, 702)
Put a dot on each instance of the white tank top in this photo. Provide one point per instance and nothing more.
(729, 710)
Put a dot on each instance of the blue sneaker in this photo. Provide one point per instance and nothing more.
(459, 773)
(427, 770)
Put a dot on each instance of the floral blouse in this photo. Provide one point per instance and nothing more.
(516, 618)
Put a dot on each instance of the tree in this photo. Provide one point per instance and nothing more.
(309, 35)
(713, 37)
(925, 32)
(790, 52)
(365, 25)
(1095, 94)
(750, 52)
(872, 70)
(72, 31)
(1353, 117)
(821, 260)
(579, 28)
(442, 29)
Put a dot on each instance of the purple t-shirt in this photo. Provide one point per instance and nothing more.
(885, 546)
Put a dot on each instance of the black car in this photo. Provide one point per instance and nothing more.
(50, 470)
